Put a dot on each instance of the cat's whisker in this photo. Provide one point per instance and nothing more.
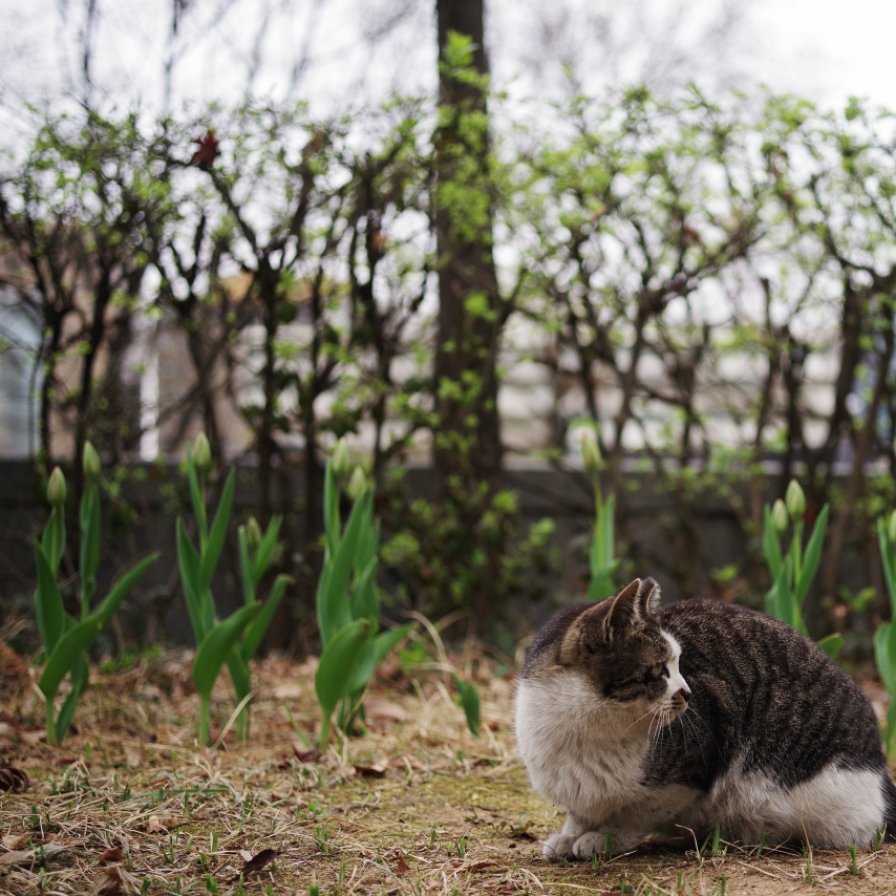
(639, 719)
(688, 727)
(696, 717)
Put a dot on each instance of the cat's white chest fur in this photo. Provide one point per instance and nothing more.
(586, 753)
(582, 753)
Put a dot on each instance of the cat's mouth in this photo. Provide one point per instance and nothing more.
(671, 708)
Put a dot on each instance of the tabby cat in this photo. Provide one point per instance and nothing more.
(638, 720)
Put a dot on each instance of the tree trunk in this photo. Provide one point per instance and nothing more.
(467, 446)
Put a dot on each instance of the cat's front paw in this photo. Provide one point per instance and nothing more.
(559, 846)
(604, 844)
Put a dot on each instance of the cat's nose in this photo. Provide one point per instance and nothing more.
(684, 693)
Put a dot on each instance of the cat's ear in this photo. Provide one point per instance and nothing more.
(631, 606)
(624, 612)
(648, 598)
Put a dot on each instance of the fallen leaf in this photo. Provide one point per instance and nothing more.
(157, 824)
(7, 730)
(116, 881)
(408, 762)
(113, 854)
(133, 756)
(13, 779)
(11, 664)
(257, 862)
(402, 862)
(33, 738)
(306, 755)
(485, 863)
(13, 842)
(377, 770)
(288, 690)
(381, 710)
(39, 853)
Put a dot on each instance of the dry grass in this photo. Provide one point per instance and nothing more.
(131, 805)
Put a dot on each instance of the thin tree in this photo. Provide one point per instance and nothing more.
(468, 442)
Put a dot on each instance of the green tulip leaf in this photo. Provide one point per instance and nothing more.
(217, 644)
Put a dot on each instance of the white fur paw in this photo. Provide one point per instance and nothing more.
(599, 843)
(558, 846)
(594, 842)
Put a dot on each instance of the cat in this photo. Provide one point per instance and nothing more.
(638, 720)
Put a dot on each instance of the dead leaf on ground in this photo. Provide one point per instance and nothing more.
(288, 690)
(116, 881)
(402, 862)
(8, 732)
(158, 824)
(379, 710)
(23, 856)
(11, 664)
(33, 738)
(377, 770)
(408, 762)
(256, 862)
(133, 756)
(14, 780)
(13, 842)
(306, 755)
(113, 854)
(485, 863)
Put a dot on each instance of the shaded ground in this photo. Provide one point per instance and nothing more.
(130, 804)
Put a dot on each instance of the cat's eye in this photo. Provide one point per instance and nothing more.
(658, 670)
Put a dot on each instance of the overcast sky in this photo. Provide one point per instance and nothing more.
(830, 50)
(824, 50)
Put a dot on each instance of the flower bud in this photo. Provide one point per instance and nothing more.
(590, 453)
(779, 516)
(253, 533)
(796, 500)
(357, 484)
(56, 488)
(339, 460)
(202, 452)
(91, 462)
(891, 529)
